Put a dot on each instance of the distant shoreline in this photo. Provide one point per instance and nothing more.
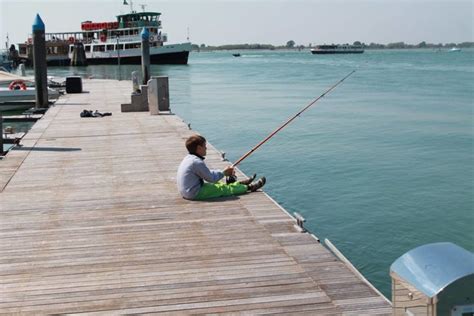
(291, 46)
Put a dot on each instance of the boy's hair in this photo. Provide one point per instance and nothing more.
(193, 141)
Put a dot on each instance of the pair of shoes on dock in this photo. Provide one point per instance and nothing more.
(248, 180)
(257, 185)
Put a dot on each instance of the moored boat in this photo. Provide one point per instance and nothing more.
(111, 42)
(5, 62)
(20, 94)
(337, 49)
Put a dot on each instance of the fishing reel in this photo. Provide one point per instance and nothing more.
(230, 179)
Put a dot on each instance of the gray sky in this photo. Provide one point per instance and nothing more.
(218, 22)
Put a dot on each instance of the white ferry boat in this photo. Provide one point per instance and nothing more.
(337, 49)
(107, 42)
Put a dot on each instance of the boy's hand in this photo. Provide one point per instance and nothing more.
(228, 171)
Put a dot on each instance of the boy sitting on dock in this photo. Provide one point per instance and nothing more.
(196, 182)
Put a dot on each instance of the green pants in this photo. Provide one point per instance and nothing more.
(214, 190)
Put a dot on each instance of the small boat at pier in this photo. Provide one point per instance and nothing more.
(337, 49)
(17, 93)
(21, 99)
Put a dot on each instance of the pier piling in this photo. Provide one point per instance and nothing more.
(39, 63)
(145, 55)
(78, 55)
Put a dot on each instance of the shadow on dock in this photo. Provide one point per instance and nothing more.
(54, 149)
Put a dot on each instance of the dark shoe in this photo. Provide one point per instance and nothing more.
(257, 185)
(248, 180)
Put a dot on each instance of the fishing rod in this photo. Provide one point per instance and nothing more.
(290, 120)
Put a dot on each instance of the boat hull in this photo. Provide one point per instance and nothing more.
(8, 96)
(132, 58)
(16, 106)
(178, 58)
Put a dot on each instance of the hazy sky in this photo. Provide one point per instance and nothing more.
(217, 22)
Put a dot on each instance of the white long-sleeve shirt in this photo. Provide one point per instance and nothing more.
(191, 173)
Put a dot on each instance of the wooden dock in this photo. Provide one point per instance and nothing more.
(91, 222)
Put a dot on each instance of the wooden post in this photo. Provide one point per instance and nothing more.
(145, 55)
(39, 63)
(79, 55)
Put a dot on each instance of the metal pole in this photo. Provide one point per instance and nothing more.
(118, 57)
(289, 121)
(145, 55)
(39, 63)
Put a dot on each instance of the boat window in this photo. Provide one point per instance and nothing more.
(87, 48)
(133, 45)
(99, 48)
(110, 47)
(120, 46)
(71, 48)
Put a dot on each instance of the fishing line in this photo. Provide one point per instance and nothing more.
(251, 151)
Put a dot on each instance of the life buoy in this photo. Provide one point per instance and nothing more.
(17, 85)
(72, 40)
(152, 38)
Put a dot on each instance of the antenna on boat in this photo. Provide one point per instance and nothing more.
(187, 38)
(143, 7)
(131, 5)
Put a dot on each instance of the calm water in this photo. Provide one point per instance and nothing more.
(381, 165)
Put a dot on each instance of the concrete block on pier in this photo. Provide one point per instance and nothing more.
(139, 101)
(158, 95)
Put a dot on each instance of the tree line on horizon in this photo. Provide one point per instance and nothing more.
(292, 45)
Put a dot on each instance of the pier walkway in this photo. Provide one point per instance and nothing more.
(91, 222)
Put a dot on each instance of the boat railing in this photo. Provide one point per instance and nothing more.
(140, 23)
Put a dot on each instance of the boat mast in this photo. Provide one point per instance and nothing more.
(131, 5)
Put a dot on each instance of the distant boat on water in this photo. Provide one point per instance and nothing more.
(454, 49)
(236, 55)
(337, 49)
